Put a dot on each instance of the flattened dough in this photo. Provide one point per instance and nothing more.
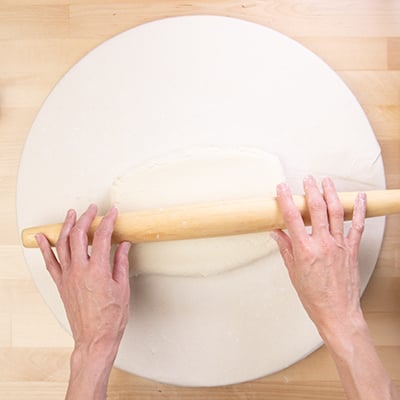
(200, 175)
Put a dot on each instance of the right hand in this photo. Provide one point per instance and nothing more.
(323, 265)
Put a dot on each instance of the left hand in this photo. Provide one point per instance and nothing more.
(95, 297)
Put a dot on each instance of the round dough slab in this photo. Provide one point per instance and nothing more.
(199, 175)
(192, 82)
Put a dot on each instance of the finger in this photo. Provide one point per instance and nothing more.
(102, 239)
(291, 215)
(335, 209)
(121, 263)
(50, 259)
(79, 236)
(357, 222)
(62, 245)
(316, 206)
(285, 246)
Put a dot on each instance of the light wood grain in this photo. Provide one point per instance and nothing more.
(222, 218)
(41, 39)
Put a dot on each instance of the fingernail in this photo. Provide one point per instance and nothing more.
(309, 179)
(38, 238)
(328, 183)
(326, 180)
(282, 187)
(362, 198)
(112, 210)
(127, 247)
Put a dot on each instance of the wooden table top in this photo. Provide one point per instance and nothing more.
(41, 39)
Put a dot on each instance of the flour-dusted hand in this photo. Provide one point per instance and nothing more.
(95, 297)
(323, 267)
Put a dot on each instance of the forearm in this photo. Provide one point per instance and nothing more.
(89, 375)
(360, 369)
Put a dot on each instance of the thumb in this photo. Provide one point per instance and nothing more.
(121, 263)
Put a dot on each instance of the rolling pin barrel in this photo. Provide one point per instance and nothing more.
(215, 219)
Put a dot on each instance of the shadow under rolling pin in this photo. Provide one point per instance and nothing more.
(215, 219)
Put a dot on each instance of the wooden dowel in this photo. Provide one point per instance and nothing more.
(215, 219)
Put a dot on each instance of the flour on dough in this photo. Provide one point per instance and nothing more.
(201, 175)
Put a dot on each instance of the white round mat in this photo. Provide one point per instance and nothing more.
(190, 82)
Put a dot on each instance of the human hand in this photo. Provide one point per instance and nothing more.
(95, 297)
(323, 265)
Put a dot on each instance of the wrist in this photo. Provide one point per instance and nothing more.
(90, 370)
(88, 355)
(360, 369)
(341, 336)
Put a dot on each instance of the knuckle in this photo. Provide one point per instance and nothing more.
(316, 204)
(77, 232)
(102, 232)
(291, 214)
(327, 246)
(358, 226)
(60, 242)
(336, 211)
(305, 252)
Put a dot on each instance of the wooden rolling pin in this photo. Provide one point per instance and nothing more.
(215, 219)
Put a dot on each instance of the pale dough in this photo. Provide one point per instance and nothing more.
(200, 175)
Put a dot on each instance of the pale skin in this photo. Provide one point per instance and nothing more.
(95, 297)
(323, 267)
